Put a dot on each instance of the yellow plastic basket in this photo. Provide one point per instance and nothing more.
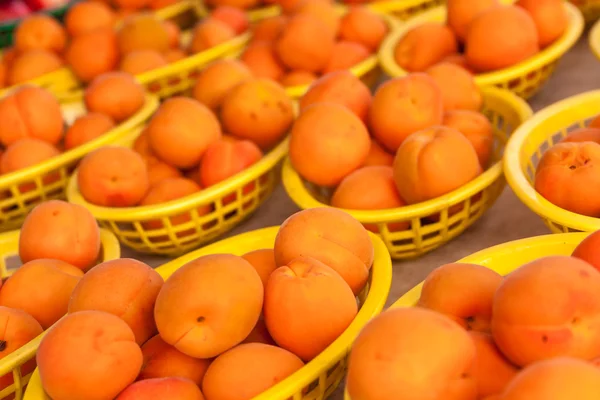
(320, 377)
(594, 37)
(15, 203)
(255, 14)
(524, 79)
(589, 8)
(9, 248)
(232, 201)
(506, 111)
(531, 140)
(507, 257)
(404, 9)
(63, 81)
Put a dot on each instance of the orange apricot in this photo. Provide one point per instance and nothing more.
(232, 16)
(476, 128)
(40, 31)
(587, 250)
(170, 388)
(324, 11)
(550, 17)
(378, 156)
(263, 261)
(139, 61)
(298, 78)
(492, 370)
(226, 158)
(216, 80)
(260, 58)
(174, 33)
(159, 171)
(28, 152)
(269, 29)
(210, 33)
(116, 94)
(143, 31)
(583, 135)
(86, 128)
(87, 16)
(92, 54)
(458, 87)
(363, 26)
(345, 55)
(462, 12)
(32, 64)
(424, 46)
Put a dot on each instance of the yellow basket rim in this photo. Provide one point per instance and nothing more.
(174, 10)
(375, 301)
(29, 173)
(544, 57)
(205, 196)
(296, 190)
(362, 68)
(395, 6)
(111, 250)
(594, 38)
(518, 181)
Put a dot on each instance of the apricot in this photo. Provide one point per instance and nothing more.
(214, 82)
(324, 11)
(260, 334)
(369, 188)
(297, 78)
(263, 261)
(9, 54)
(193, 126)
(261, 60)
(550, 17)
(331, 236)
(3, 74)
(210, 33)
(22, 329)
(438, 150)
(363, 26)
(174, 33)
(492, 370)
(171, 388)
(131, 5)
(62, 231)
(47, 303)
(302, 293)
(226, 158)
(174, 55)
(40, 31)
(87, 16)
(316, 135)
(378, 156)
(269, 29)
(432, 354)
(345, 55)
(234, 376)
(162, 360)
(587, 250)
(566, 176)
(92, 54)
(86, 128)
(501, 37)
(476, 128)
(116, 94)
(25, 153)
(457, 59)
(424, 46)
(241, 4)
(81, 340)
(232, 16)
(595, 122)
(565, 320)
(141, 145)
(559, 378)
(583, 135)
(305, 43)
(462, 12)
(126, 288)
(30, 112)
(159, 4)
(416, 97)
(170, 189)
(258, 110)
(340, 87)
(113, 177)
(459, 90)
(159, 171)
(140, 61)
(32, 64)
(192, 302)
(143, 32)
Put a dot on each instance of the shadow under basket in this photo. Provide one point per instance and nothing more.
(414, 230)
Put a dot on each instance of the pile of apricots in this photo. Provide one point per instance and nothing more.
(34, 128)
(475, 335)
(90, 44)
(566, 174)
(221, 327)
(313, 38)
(192, 142)
(492, 36)
(396, 147)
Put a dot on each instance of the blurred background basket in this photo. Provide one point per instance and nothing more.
(320, 377)
(9, 249)
(506, 111)
(231, 200)
(524, 79)
(505, 258)
(22, 190)
(404, 9)
(525, 148)
(589, 8)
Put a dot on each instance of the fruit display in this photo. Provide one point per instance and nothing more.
(315, 37)
(433, 172)
(516, 321)
(200, 166)
(474, 35)
(550, 162)
(58, 243)
(234, 320)
(43, 139)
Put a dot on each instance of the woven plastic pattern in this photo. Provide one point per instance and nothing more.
(437, 221)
